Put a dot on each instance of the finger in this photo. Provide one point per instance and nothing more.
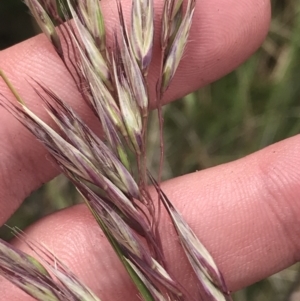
(245, 212)
(224, 34)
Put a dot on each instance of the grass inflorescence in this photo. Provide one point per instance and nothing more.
(111, 172)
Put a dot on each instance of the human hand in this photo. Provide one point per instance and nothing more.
(243, 211)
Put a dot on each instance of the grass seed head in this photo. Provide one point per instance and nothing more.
(129, 109)
(45, 22)
(95, 56)
(136, 80)
(177, 45)
(115, 85)
(96, 151)
(142, 32)
(28, 274)
(91, 15)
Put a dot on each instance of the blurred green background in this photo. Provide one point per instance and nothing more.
(254, 106)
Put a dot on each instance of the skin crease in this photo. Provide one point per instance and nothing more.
(245, 212)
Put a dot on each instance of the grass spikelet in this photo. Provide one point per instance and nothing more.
(135, 78)
(129, 108)
(95, 56)
(45, 22)
(92, 18)
(29, 275)
(68, 287)
(81, 137)
(142, 32)
(201, 261)
(175, 36)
